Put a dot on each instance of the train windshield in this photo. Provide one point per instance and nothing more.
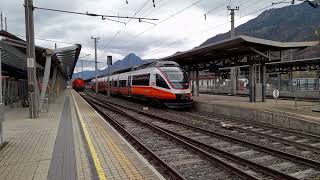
(177, 77)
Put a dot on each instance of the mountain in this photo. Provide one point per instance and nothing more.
(131, 60)
(291, 23)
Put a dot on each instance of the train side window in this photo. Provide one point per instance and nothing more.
(122, 83)
(115, 83)
(160, 82)
(141, 80)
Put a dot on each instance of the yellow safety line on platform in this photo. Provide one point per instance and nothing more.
(96, 161)
(124, 162)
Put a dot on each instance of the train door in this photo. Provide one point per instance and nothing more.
(129, 86)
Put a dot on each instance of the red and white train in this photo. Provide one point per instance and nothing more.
(162, 82)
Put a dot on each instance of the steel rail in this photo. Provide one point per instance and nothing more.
(295, 132)
(288, 156)
(195, 149)
(139, 145)
(284, 141)
(271, 172)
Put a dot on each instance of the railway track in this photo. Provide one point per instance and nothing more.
(251, 159)
(300, 140)
(186, 160)
(294, 142)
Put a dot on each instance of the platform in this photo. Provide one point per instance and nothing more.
(71, 141)
(283, 113)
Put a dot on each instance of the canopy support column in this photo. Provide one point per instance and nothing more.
(197, 82)
(233, 80)
(252, 83)
(53, 82)
(263, 82)
(45, 81)
(279, 82)
(257, 84)
(290, 81)
(193, 83)
(1, 120)
(1, 98)
(1, 101)
(317, 80)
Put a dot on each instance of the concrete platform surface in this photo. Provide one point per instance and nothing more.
(56, 146)
(287, 106)
(284, 113)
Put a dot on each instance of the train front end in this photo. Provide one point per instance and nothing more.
(178, 82)
(78, 84)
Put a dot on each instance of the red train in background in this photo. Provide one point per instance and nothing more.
(78, 84)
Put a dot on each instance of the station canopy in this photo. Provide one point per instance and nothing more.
(67, 58)
(14, 59)
(312, 64)
(238, 51)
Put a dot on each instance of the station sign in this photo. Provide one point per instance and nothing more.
(30, 62)
(273, 75)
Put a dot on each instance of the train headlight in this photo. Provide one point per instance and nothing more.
(182, 96)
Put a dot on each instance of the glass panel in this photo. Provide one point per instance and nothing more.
(160, 82)
(177, 77)
(141, 80)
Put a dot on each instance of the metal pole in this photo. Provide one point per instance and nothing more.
(232, 31)
(82, 76)
(1, 98)
(296, 99)
(1, 20)
(232, 23)
(317, 80)
(31, 61)
(197, 82)
(108, 93)
(95, 60)
(5, 24)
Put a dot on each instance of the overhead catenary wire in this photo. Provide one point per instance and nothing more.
(214, 9)
(211, 27)
(96, 15)
(118, 32)
(172, 43)
(159, 5)
(49, 40)
(169, 17)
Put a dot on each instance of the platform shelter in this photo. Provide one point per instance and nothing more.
(54, 68)
(234, 53)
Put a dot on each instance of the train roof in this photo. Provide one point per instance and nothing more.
(148, 65)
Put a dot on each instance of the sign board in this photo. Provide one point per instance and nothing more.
(109, 60)
(30, 62)
(49, 51)
(273, 75)
(276, 93)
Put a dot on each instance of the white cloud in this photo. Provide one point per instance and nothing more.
(184, 31)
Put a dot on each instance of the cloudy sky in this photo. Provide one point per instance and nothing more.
(181, 25)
